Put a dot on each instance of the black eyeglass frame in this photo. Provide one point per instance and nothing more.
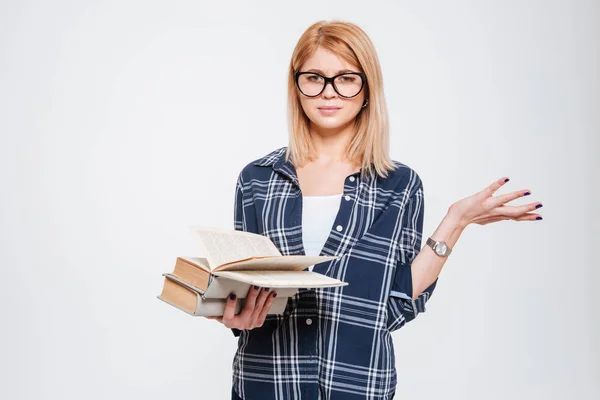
(331, 80)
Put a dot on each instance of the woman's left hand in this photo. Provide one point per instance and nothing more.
(483, 208)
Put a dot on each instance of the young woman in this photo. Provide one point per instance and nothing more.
(335, 191)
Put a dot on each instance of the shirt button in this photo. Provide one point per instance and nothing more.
(339, 228)
(308, 321)
(351, 179)
(347, 197)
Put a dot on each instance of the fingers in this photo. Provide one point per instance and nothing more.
(524, 217)
(265, 310)
(490, 190)
(505, 198)
(229, 313)
(257, 304)
(515, 211)
(260, 301)
(498, 201)
(528, 217)
(250, 302)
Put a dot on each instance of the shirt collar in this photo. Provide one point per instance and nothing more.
(272, 158)
(276, 160)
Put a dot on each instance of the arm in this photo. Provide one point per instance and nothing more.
(481, 208)
(418, 271)
(414, 279)
(427, 265)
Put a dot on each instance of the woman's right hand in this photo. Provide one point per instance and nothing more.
(258, 302)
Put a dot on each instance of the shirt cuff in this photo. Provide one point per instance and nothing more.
(403, 308)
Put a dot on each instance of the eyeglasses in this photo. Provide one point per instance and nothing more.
(347, 85)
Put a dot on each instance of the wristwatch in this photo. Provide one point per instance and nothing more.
(440, 248)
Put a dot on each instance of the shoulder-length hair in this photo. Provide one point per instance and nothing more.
(370, 142)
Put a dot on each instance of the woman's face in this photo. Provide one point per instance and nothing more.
(329, 110)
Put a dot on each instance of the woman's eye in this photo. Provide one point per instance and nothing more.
(314, 78)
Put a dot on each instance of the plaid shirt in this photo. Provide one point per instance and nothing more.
(332, 343)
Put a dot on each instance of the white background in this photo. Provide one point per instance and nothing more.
(122, 123)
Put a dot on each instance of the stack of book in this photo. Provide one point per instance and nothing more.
(234, 262)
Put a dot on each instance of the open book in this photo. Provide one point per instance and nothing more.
(235, 261)
(231, 250)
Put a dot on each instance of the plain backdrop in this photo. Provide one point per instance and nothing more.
(122, 123)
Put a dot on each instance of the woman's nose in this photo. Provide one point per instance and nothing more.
(329, 91)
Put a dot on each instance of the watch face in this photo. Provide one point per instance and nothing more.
(441, 248)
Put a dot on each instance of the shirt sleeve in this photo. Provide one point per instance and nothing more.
(401, 307)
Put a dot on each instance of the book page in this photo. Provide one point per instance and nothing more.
(199, 262)
(280, 263)
(283, 279)
(224, 246)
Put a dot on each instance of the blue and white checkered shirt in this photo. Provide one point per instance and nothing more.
(332, 343)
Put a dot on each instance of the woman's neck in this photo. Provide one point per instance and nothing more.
(331, 144)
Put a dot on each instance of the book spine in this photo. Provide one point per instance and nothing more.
(184, 283)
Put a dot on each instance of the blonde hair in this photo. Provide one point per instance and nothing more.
(370, 141)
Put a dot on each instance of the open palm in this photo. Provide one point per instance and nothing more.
(483, 208)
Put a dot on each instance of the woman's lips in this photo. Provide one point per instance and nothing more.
(328, 110)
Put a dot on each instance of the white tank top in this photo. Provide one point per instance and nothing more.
(318, 215)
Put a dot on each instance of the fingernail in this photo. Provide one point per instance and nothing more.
(506, 180)
(267, 289)
(526, 194)
(255, 287)
(274, 294)
(538, 206)
(538, 218)
(232, 296)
